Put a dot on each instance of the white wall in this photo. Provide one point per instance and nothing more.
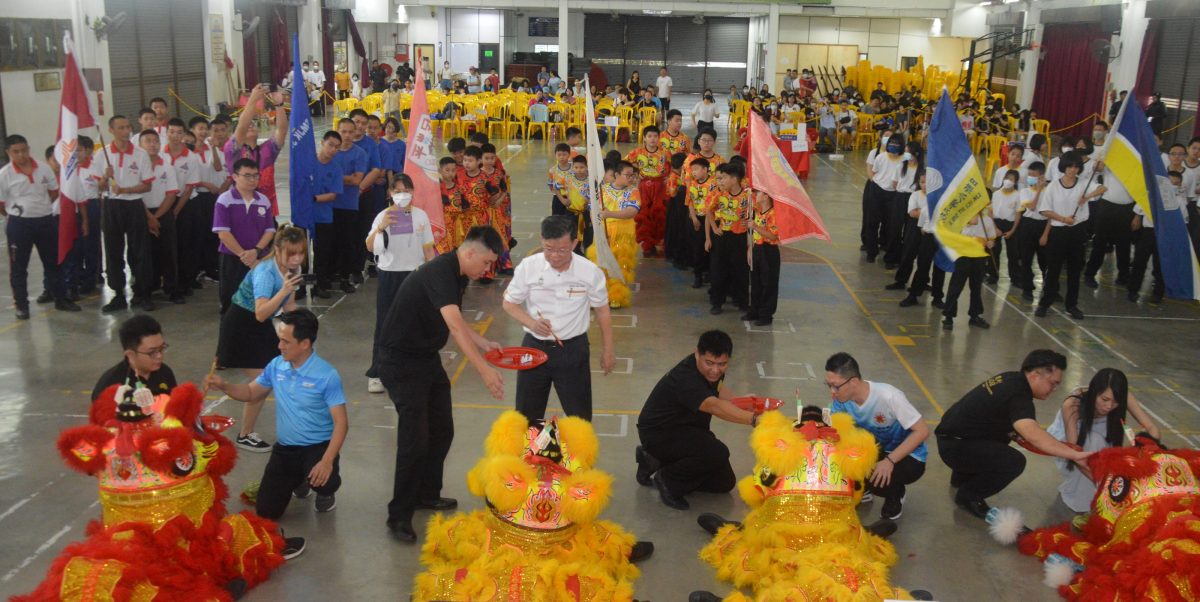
(372, 11)
(218, 82)
(968, 19)
(884, 40)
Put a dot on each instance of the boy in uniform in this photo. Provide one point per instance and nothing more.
(764, 278)
(654, 165)
(557, 178)
(160, 219)
(725, 238)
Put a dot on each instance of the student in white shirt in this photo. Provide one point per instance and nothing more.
(886, 173)
(1006, 203)
(969, 271)
(160, 219)
(1030, 229)
(401, 240)
(82, 270)
(1146, 244)
(186, 165)
(705, 113)
(870, 188)
(214, 180)
(28, 190)
(1016, 154)
(927, 247)
(552, 294)
(1065, 206)
(125, 172)
(1112, 215)
(663, 84)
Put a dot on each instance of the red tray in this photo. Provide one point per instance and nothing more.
(516, 358)
(216, 423)
(758, 405)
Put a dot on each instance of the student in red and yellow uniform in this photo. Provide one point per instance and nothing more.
(764, 278)
(725, 238)
(700, 184)
(706, 139)
(501, 210)
(477, 196)
(452, 206)
(674, 140)
(654, 165)
(579, 198)
(621, 203)
(557, 178)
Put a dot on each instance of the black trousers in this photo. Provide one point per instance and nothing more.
(1145, 249)
(208, 243)
(921, 278)
(764, 281)
(875, 206)
(188, 239)
(693, 459)
(389, 283)
(910, 250)
(1112, 232)
(232, 271)
(906, 472)
(568, 368)
(700, 259)
(420, 391)
(983, 467)
(345, 230)
(1064, 248)
(729, 269)
(287, 469)
(82, 269)
(894, 217)
(557, 207)
(124, 223)
(325, 255)
(999, 244)
(164, 255)
(1029, 249)
(24, 234)
(967, 271)
(675, 241)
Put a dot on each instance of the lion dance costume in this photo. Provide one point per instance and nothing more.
(538, 539)
(164, 534)
(1142, 538)
(622, 238)
(802, 540)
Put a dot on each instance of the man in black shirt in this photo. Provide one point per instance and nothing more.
(425, 312)
(679, 453)
(378, 77)
(974, 434)
(141, 338)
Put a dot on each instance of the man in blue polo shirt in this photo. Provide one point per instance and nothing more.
(372, 190)
(355, 166)
(328, 186)
(310, 417)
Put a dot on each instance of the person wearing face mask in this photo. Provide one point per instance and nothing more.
(895, 218)
(391, 100)
(401, 239)
(1065, 204)
(1052, 170)
(897, 426)
(886, 170)
(1030, 228)
(871, 187)
(1093, 418)
(1006, 201)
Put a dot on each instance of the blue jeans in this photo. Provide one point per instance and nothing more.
(25, 233)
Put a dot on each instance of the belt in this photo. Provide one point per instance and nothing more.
(553, 343)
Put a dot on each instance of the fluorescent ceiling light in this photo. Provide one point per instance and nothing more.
(656, 13)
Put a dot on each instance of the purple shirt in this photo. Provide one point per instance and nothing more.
(247, 223)
(266, 153)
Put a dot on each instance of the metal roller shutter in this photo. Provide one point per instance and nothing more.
(728, 40)
(708, 55)
(160, 49)
(604, 44)
(646, 47)
(190, 79)
(126, 95)
(1171, 76)
(262, 44)
(686, 54)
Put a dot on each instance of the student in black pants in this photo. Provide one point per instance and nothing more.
(125, 173)
(1065, 204)
(700, 184)
(1006, 202)
(927, 248)
(1030, 228)
(728, 211)
(969, 271)
(764, 277)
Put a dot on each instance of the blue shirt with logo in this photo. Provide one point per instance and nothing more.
(353, 160)
(303, 398)
(884, 414)
(262, 282)
(329, 179)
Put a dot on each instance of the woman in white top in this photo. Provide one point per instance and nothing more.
(886, 170)
(705, 113)
(1005, 203)
(869, 188)
(1094, 419)
(903, 213)
(1064, 203)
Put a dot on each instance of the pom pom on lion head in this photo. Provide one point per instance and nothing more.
(856, 450)
(507, 437)
(585, 495)
(504, 480)
(776, 445)
(578, 437)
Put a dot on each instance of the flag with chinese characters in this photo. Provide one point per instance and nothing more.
(74, 113)
(956, 190)
(795, 215)
(421, 160)
(595, 161)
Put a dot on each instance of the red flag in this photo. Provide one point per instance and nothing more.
(795, 215)
(74, 113)
(421, 160)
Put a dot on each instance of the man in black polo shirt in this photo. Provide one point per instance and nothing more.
(142, 339)
(974, 434)
(425, 312)
(679, 453)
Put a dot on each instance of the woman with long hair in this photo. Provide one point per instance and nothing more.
(1094, 418)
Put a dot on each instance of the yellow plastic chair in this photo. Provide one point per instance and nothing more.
(992, 145)
(739, 117)
(1041, 126)
(624, 122)
(539, 120)
(473, 120)
(795, 118)
(495, 119)
(866, 131)
(647, 116)
(517, 121)
(373, 104)
(559, 126)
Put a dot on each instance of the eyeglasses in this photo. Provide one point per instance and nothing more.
(249, 175)
(553, 251)
(835, 388)
(155, 352)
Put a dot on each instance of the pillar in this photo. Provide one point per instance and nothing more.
(772, 43)
(1123, 72)
(564, 26)
(1028, 79)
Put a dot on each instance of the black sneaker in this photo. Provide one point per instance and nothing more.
(402, 530)
(749, 316)
(302, 492)
(66, 305)
(1091, 282)
(439, 504)
(908, 301)
(44, 298)
(978, 322)
(347, 287)
(1132, 296)
(73, 295)
(253, 443)
(325, 503)
(356, 278)
(977, 508)
(895, 286)
(763, 321)
(938, 303)
(703, 596)
(892, 508)
(1075, 313)
(292, 547)
(22, 313)
(882, 528)
(670, 499)
(146, 304)
(1041, 311)
(698, 281)
(870, 259)
(947, 324)
(117, 303)
(1027, 295)
(641, 550)
(646, 465)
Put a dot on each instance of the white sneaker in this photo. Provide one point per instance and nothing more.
(374, 385)
(867, 498)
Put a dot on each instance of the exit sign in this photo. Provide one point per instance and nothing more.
(489, 53)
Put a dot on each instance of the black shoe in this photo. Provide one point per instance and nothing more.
(66, 305)
(512, 244)
(325, 503)
(402, 530)
(302, 492)
(1075, 313)
(647, 466)
(178, 299)
(347, 287)
(484, 281)
(641, 551)
(978, 322)
(1121, 281)
(1027, 294)
(712, 523)
(698, 281)
(715, 310)
(749, 317)
(1091, 282)
(895, 286)
(977, 508)
(993, 280)
(763, 321)
(442, 503)
(870, 259)
(920, 594)
(356, 277)
(890, 266)
(236, 588)
(703, 596)
(882, 528)
(908, 301)
(22, 313)
(145, 304)
(44, 298)
(73, 295)
(1132, 296)
(321, 293)
(372, 272)
(292, 547)
(118, 303)
(671, 500)
(1041, 311)
(947, 323)
(892, 508)
(938, 303)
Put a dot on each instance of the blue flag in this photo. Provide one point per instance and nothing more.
(955, 187)
(1132, 155)
(302, 167)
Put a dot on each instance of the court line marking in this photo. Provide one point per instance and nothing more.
(1093, 336)
(1144, 318)
(38, 552)
(30, 497)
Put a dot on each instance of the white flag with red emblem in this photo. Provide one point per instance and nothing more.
(76, 112)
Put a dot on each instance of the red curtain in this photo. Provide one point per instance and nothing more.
(359, 48)
(281, 47)
(1070, 81)
(250, 60)
(1146, 64)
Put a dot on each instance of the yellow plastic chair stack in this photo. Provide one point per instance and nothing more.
(866, 132)
(1041, 126)
(992, 145)
(518, 115)
(373, 104)
(342, 107)
(647, 116)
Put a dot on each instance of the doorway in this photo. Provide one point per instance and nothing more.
(425, 51)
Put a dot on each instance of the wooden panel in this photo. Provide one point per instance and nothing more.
(812, 55)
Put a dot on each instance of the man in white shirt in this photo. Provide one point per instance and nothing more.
(28, 190)
(317, 78)
(160, 218)
(185, 164)
(125, 173)
(550, 295)
(1111, 227)
(663, 84)
(214, 180)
